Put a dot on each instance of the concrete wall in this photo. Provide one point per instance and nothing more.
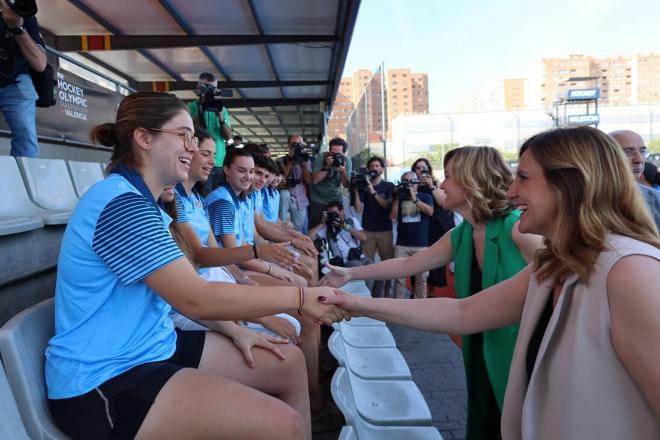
(27, 269)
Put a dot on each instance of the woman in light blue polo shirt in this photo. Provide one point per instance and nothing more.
(116, 367)
(192, 223)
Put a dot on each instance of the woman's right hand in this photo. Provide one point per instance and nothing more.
(276, 253)
(337, 277)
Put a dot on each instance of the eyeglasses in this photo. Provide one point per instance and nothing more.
(189, 140)
(632, 152)
(421, 169)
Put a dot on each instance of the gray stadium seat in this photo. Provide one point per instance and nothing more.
(11, 426)
(84, 175)
(23, 340)
(14, 225)
(370, 363)
(48, 183)
(17, 203)
(367, 336)
(397, 406)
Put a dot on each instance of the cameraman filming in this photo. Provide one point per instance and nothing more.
(412, 210)
(344, 235)
(209, 112)
(297, 171)
(375, 198)
(21, 49)
(330, 173)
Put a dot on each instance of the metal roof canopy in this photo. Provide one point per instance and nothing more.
(282, 58)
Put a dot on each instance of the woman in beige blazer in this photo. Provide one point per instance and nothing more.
(586, 361)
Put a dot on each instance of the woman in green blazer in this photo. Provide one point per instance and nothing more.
(487, 248)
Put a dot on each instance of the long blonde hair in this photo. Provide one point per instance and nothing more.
(485, 179)
(596, 195)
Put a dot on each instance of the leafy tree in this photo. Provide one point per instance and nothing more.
(654, 145)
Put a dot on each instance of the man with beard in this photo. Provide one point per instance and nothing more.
(376, 201)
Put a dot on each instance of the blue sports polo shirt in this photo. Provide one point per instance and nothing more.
(253, 202)
(190, 209)
(107, 320)
(227, 213)
(271, 204)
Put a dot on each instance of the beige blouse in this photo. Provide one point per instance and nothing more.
(579, 388)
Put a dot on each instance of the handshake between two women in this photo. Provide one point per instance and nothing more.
(332, 305)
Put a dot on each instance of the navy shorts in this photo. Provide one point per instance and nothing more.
(117, 408)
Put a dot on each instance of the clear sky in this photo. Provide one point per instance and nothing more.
(466, 44)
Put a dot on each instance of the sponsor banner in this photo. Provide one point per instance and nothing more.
(584, 119)
(81, 105)
(582, 94)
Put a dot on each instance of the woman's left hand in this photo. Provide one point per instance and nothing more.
(245, 340)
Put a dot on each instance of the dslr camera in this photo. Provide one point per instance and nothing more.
(338, 159)
(24, 8)
(292, 182)
(211, 101)
(423, 187)
(332, 219)
(359, 179)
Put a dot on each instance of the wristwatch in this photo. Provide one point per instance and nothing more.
(18, 30)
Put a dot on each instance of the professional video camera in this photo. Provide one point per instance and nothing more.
(24, 8)
(403, 189)
(302, 153)
(359, 178)
(211, 101)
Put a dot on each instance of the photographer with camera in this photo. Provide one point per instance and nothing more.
(374, 199)
(330, 173)
(412, 211)
(296, 168)
(210, 113)
(442, 220)
(344, 236)
(21, 50)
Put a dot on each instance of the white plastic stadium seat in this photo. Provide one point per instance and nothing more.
(48, 183)
(23, 340)
(347, 433)
(84, 175)
(370, 363)
(363, 320)
(392, 408)
(367, 336)
(15, 199)
(11, 425)
(14, 225)
(356, 287)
